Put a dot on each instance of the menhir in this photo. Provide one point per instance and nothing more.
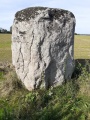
(43, 46)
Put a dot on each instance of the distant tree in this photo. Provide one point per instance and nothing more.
(3, 30)
(75, 34)
(0, 30)
(11, 29)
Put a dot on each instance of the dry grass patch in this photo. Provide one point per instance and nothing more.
(82, 47)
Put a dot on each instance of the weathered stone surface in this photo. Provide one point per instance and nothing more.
(42, 46)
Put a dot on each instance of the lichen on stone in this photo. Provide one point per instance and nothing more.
(28, 13)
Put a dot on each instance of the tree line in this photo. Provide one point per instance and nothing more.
(2, 30)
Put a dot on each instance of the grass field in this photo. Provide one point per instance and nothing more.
(81, 47)
(71, 101)
(5, 47)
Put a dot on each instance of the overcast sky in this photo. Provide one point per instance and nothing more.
(80, 8)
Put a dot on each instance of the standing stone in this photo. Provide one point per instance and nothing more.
(43, 46)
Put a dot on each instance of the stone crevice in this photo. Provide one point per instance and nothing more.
(31, 45)
(22, 58)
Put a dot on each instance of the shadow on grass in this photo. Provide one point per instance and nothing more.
(79, 65)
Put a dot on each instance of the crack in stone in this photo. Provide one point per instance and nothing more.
(31, 44)
(22, 57)
(20, 53)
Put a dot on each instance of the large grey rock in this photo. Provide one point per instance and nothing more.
(42, 46)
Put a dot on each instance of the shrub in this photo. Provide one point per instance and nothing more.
(71, 101)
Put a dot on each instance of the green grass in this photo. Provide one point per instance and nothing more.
(71, 101)
(5, 47)
(1, 76)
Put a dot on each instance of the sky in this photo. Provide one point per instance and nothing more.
(80, 8)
